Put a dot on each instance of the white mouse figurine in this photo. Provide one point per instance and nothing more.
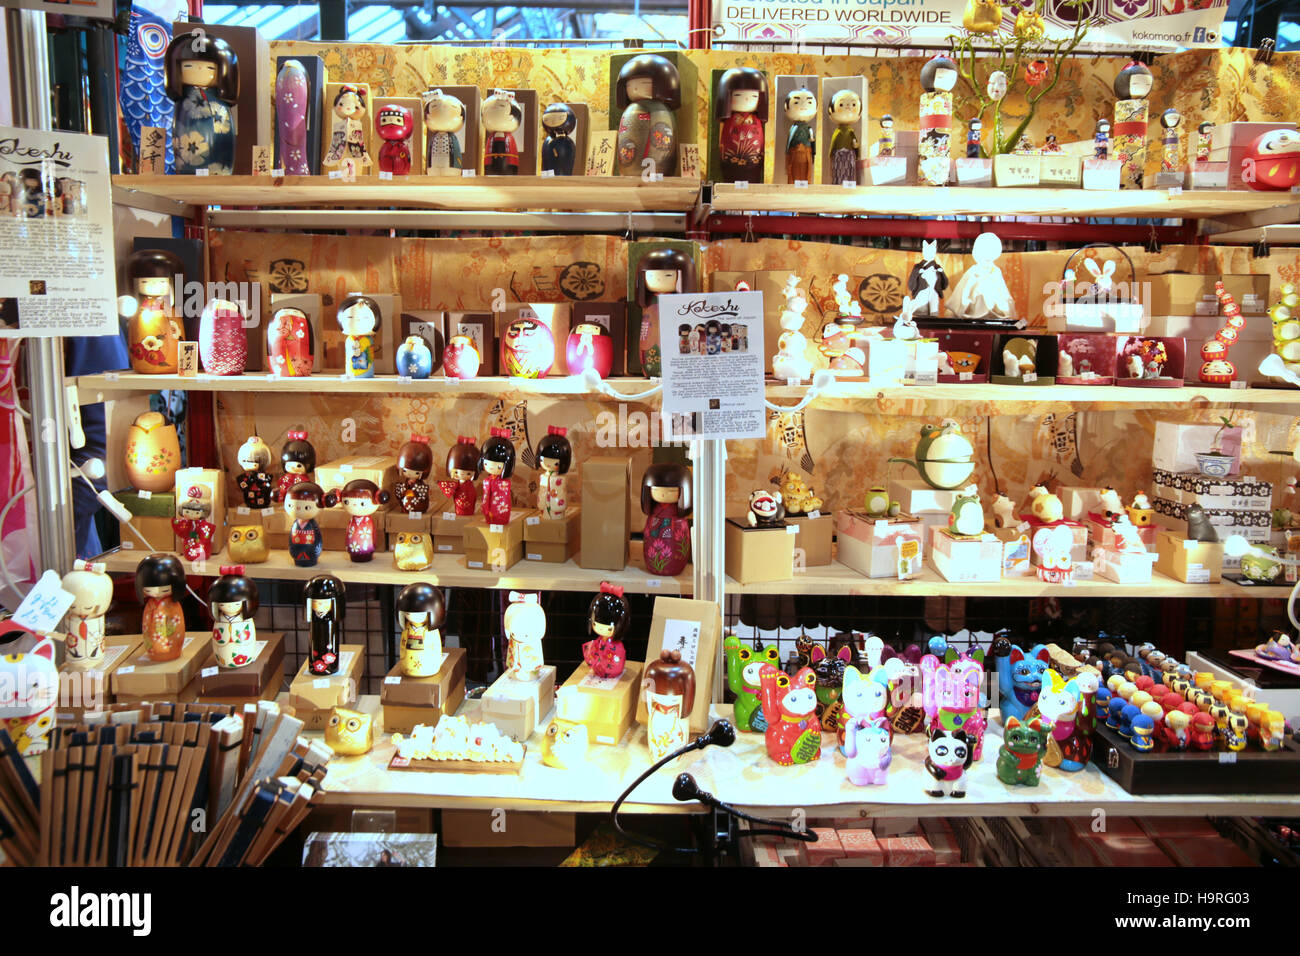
(1065, 365)
(905, 325)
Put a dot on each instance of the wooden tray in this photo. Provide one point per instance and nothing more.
(1196, 771)
(456, 766)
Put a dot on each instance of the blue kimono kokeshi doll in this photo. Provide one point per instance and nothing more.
(359, 316)
(203, 81)
(713, 339)
(302, 503)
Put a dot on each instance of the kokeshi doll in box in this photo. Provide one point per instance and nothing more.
(1171, 140)
(559, 152)
(420, 615)
(666, 503)
(801, 143)
(191, 524)
(348, 128)
(1203, 132)
(202, 74)
(1129, 131)
(885, 139)
(232, 602)
(525, 626)
(1101, 139)
(974, 130)
(845, 111)
(148, 305)
(648, 91)
(934, 150)
(444, 118)
(255, 482)
(414, 463)
(501, 116)
(359, 316)
(92, 593)
(496, 465)
(326, 600)
(462, 469)
(669, 692)
(554, 456)
(659, 272)
(395, 125)
(360, 498)
(298, 461)
(741, 108)
(303, 504)
(160, 584)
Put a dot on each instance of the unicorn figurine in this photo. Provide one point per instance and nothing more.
(867, 697)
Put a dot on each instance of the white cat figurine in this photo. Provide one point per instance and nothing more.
(29, 688)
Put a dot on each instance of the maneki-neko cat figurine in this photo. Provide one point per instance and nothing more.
(298, 461)
(462, 469)
(648, 91)
(949, 755)
(153, 331)
(951, 698)
(666, 503)
(1060, 705)
(793, 734)
(1020, 758)
(554, 456)
(669, 691)
(160, 584)
(525, 626)
(27, 711)
(607, 621)
(743, 679)
(83, 624)
(202, 79)
(232, 602)
(496, 464)
(420, 614)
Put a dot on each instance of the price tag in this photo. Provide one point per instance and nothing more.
(1022, 527)
(793, 382)
(468, 173)
(965, 376)
(1238, 385)
(444, 547)
(271, 377)
(277, 174)
(345, 468)
(653, 583)
(532, 519)
(208, 672)
(792, 529)
(533, 556)
(449, 516)
(128, 669)
(416, 515)
(110, 376)
(657, 177)
(801, 184)
(548, 174)
(393, 679)
(242, 510)
(882, 524)
(45, 604)
(146, 495)
(478, 565)
(1295, 190)
(814, 515)
(385, 176)
(497, 528)
(1198, 575)
(1029, 377)
(742, 184)
(128, 545)
(1228, 756)
(267, 512)
(336, 174)
(320, 683)
(849, 183)
(404, 380)
(1175, 190)
(200, 172)
(451, 380)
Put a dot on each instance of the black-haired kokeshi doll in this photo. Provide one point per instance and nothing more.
(659, 272)
(501, 116)
(558, 150)
(202, 79)
(496, 464)
(554, 456)
(326, 604)
(160, 584)
(741, 108)
(303, 504)
(648, 91)
(232, 602)
(607, 622)
(666, 503)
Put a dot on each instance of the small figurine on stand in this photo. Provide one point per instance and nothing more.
(974, 130)
(289, 347)
(83, 624)
(444, 118)
(395, 125)
(298, 459)
(1171, 140)
(801, 143)
(741, 111)
(462, 467)
(232, 602)
(981, 292)
(558, 151)
(496, 464)
(326, 602)
(525, 626)
(420, 614)
(255, 482)
(967, 515)
(666, 503)
(659, 272)
(349, 733)
(191, 524)
(414, 462)
(793, 734)
(1101, 139)
(202, 75)
(845, 111)
(1203, 132)
(1020, 758)
(554, 455)
(668, 689)
(360, 498)
(160, 584)
(648, 90)
(607, 622)
(348, 131)
(885, 140)
(302, 504)
(765, 509)
(359, 317)
(1050, 145)
(153, 331)
(948, 757)
(501, 117)
(798, 498)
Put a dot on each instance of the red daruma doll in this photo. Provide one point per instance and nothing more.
(395, 124)
(462, 466)
(666, 503)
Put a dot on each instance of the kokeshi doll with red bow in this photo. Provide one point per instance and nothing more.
(934, 146)
(462, 469)
(554, 456)
(496, 464)
(525, 626)
(607, 622)
(414, 462)
(191, 524)
(92, 592)
(232, 601)
(298, 459)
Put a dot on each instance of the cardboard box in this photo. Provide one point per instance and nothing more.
(1254, 526)
(252, 679)
(1123, 567)
(1177, 443)
(824, 852)
(606, 484)
(483, 828)
(397, 521)
(415, 143)
(495, 547)
(552, 540)
(973, 559)
(408, 701)
(870, 545)
(695, 629)
(1242, 493)
(157, 531)
(1015, 169)
(907, 851)
(87, 687)
(606, 705)
(517, 707)
(311, 696)
(1060, 169)
(143, 677)
(449, 531)
(812, 544)
(317, 77)
(915, 497)
(334, 475)
(861, 848)
(1193, 562)
(1252, 347)
(188, 694)
(784, 86)
(755, 555)
(253, 113)
(1229, 142)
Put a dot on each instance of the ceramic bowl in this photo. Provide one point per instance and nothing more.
(1214, 466)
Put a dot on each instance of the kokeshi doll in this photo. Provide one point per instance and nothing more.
(496, 465)
(1203, 132)
(444, 122)
(395, 125)
(153, 330)
(202, 74)
(741, 108)
(359, 317)
(934, 150)
(668, 689)
(348, 128)
(845, 111)
(160, 584)
(658, 272)
(303, 504)
(525, 626)
(462, 469)
(558, 150)
(554, 455)
(232, 602)
(326, 605)
(83, 624)
(360, 498)
(666, 503)
(1171, 140)
(648, 91)
(801, 143)
(1129, 131)
(501, 116)
(414, 463)
(291, 93)
(420, 615)
(297, 461)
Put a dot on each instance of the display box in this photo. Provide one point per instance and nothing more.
(605, 705)
(550, 539)
(1016, 352)
(606, 482)
(397, 522)
(1016, 169)
(311, 696)
(911, 850)
(1253, 345)
(610, 316)
(1079, 503)
(494, 547)
(756, 555)
(813, 542)
(415, 143)
(1123, 567)
(517, 707)
(142, 676)
(317, 77)
(387, 326)
(1101, 173)
(695, 629)
(826, 851)
(1242, 493)
(151, 517)
(1102, 534)
(1060, 170)
(1254, 526)
(915, 497)
(449, 531)
(1229, 143)
(479, 328)
(254, 112)
(830, 173)
(972, 171)
(333, 530)
(870, 545)
(188, 694)
(861, 848)
(966, 559)
(780, 126)
(1193, 562)
(1085, 359)
(1177, 444)
(251, 680)
(964, 356)
(1133, 370)
(381, 469)
(87, 687)
(1181, 294)
(1207, 175)
(686, 116)
(408, 701)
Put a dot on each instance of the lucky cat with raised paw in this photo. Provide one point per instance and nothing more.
(793, 732)
(1020, 758)
(743, 680)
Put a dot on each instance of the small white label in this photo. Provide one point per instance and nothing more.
(497, 528)
(277, 174)
(1295, 190)
(742, 184)
(813, 515)
(801, 184)
(200, 172)
(128, 545)
(653, 582)
(532, 519)
(475, 564)
(1198, 575)
(128, 669)
(1175, 190)
(336, 174)
(415, 515)
(548, 174)
(882, 524)
(449, 516)
(243, 510)
(1240, 385)
(444, 547)
(209, 672)
(848, 184)
(793, 382)
(1022, 527)
(385, 175)
(267, 512)
(145, 494)
(656, 177)
(404, 380)
(792, 529)
(531, 556)
(1190, 545)
(345, 468)
(1228, 756)
(393, 679)
(965, 376)
(320, 683)
(110, 376)
(1029, 377)
(468, 173)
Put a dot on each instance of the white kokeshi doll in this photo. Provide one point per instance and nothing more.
(525, 624)
(92, 592)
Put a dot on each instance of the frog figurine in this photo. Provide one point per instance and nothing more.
(967, 515)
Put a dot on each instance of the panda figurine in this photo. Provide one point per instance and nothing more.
(766, 509)
(948, 757)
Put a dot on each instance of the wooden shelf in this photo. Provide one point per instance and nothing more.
(836, 578)
(992, 201)
(494, 193)
(448, 570)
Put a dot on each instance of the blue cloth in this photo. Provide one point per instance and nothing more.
(83, 355)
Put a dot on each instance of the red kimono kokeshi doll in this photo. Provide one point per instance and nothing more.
(395, 124)
(192, 526)
(360, 498)
(666, 503)
(501, 116)
(462, 466)
(741, 111)
(607, 622)
(414, 462)
(298, 457)
(496, 464)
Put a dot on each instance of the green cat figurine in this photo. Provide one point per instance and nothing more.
(743, 664)
(1020, 758)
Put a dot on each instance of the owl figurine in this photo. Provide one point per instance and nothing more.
(564, 745)
(413, 551)
(246, 544)
(350, 733)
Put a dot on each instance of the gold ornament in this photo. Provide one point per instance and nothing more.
(413, 550)
(982, 16)
(1029, 25)
(247, 544)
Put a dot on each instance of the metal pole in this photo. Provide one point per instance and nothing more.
(709, 478)
(30, 81)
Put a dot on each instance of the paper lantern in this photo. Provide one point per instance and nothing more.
(589, 346)
(153, 453)
(223, 342)
(527, 349)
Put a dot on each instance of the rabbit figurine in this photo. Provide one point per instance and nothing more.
(867, 747)
(905, 325)
(1103, 276)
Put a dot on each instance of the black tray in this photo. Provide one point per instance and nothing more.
(1252, 771)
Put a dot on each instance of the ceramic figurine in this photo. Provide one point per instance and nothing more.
(412, 550)
(948, 757)
(741, 107)
(348, 130)
(648, 91)
(877, 504)
(1129, 138)
(793, 733)
(1045, 506)
(1004, 510)
(83, 624)
(1143, 731)
(927, 283)
(1273, 158)
(255, 482)
(289, 346)
(950, 696)
(866, 697)
(326, 606)
(607, 621)
(554, 453)
(232, 602)
(800, 108)
(798, 498)
(765, 509)
(1054, 545)
(934, 152)
(1278, 647)
(658, 272)
(496, 464)
(967, 515)
(203, 81)
(1020, 758)
(1060, 705)
(292, 92)
(1111, 505)
(527, 349)
(1177, 729)
(191, 524)
(223, 341)
(1020, 676)
(1201, 734)
(420, 616)
(149, 305)
(981, 292)
(974, 129)
(558, 150)
(1101, 139)
(1050, 145)
(360, 498)
(444, 121)
(1140, 511)
(525, 626)
(845, 111)
(1203, 132)
(31, 682)
(349, 733)
(885, 139)
(791, 362)
(1171, 140)
(867, 751)
(414, 462)
(829, 672)
(668, 689)
(1128, 713)
(1272, 730)
(589, 346)
(302, 504)
(666, 503)
(246, 544)
(462, 467)
(160, 584)
(1235, 735)
(944, 457)
(461, 359)
(414, 358)
(565, 744)
(743, 680)
(153, 453)
(359, 317)
(395, 126)
(298, 459)
(501, 116)
(996, 86)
